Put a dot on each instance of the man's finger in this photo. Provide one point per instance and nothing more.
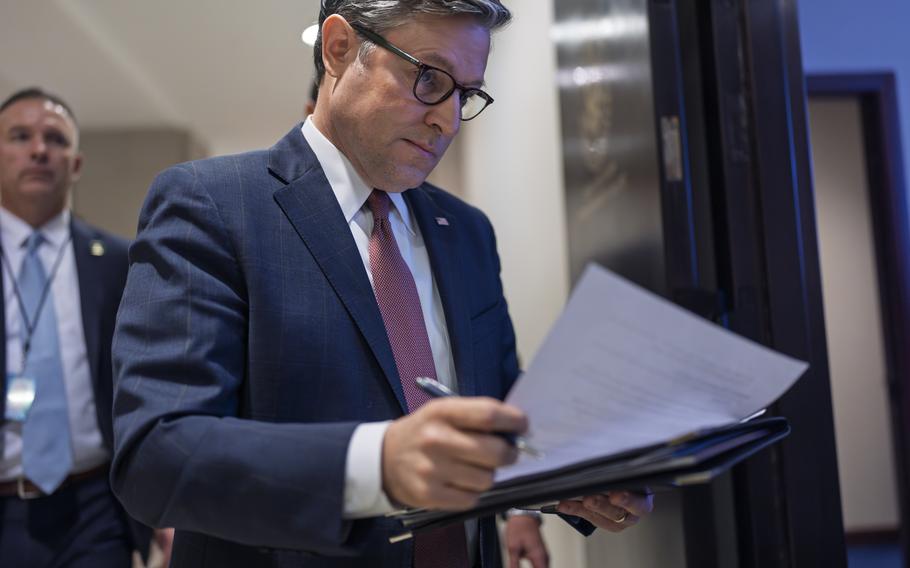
(448, 443)
(480, 414)
(468, 477)
(539, 558)
(639, 504)
(488, 451)
(450, 498)
(578, 509)
(602, 505)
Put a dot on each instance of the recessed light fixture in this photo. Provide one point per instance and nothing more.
(309, 35)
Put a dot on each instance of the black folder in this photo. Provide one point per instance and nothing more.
(692, 459)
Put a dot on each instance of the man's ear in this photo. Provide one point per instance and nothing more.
(339, 45)
(77, 168)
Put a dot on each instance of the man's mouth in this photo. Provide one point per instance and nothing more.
(38, 173)
(428, 149)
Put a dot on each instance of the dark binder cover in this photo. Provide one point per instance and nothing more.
(692, 459)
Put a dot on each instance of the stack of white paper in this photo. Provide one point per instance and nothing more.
(623, 368)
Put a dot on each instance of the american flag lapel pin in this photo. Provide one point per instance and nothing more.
(442, 221)
(96, 248)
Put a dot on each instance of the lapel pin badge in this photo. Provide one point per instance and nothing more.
(97, 248)
(442, 221)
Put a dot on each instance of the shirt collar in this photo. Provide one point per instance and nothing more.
(16, 230)
(349, 188)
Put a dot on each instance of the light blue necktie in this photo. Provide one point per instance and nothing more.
(47, 453)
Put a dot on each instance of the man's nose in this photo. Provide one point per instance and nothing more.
(39, 149)
(446, 116)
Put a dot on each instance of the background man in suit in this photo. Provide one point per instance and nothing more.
(62, 282)
(281, 303)
(310, 105)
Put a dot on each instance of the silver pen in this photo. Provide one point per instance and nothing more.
(438, 390)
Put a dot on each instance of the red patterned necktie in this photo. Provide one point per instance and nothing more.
(399, 305)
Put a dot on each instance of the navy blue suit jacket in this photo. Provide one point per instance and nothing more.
(249, 345)
(101, 280)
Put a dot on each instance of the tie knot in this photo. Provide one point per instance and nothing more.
(379, 204)
(32, 243)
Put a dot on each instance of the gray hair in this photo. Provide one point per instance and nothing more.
(382, 15)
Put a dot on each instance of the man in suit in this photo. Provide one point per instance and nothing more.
(62, 281)
(281, 303)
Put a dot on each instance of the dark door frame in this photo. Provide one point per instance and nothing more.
(744, 253)
(877, 95)
(753, 268)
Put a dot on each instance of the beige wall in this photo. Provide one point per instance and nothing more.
(853, 317)
(657, 543)
(449, 173)
(118, 167)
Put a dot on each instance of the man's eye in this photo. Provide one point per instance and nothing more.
(56, 139)
(435, 81)
(429, 77)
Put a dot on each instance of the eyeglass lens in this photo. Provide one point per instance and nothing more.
(433, 86)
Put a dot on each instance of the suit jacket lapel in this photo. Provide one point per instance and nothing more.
(442, 248)
(90, 289)
(310, 205)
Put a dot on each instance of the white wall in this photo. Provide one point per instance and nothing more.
(853, 318)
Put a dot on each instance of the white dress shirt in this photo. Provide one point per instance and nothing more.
(363, 494)
(88, 447)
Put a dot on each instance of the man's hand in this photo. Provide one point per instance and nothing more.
(614, 511)
(164, 538)
(443, 455)
(523, 540)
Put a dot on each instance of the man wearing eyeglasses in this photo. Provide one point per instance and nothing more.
(281, 304)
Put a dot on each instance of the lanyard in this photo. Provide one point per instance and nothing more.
(31, 324)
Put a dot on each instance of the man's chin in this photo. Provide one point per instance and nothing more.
(38, 193)
(37, 186)
(406, 180)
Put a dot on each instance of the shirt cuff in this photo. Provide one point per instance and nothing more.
(506, 515)
(363, 494)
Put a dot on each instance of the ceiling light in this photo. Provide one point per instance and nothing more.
(309, 35)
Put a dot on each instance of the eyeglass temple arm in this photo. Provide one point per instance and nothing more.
(379, 40)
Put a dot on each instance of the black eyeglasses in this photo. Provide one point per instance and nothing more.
(434, 85)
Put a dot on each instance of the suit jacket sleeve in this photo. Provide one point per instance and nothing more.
(183, 457)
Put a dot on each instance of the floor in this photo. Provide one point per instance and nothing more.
(874, 556)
